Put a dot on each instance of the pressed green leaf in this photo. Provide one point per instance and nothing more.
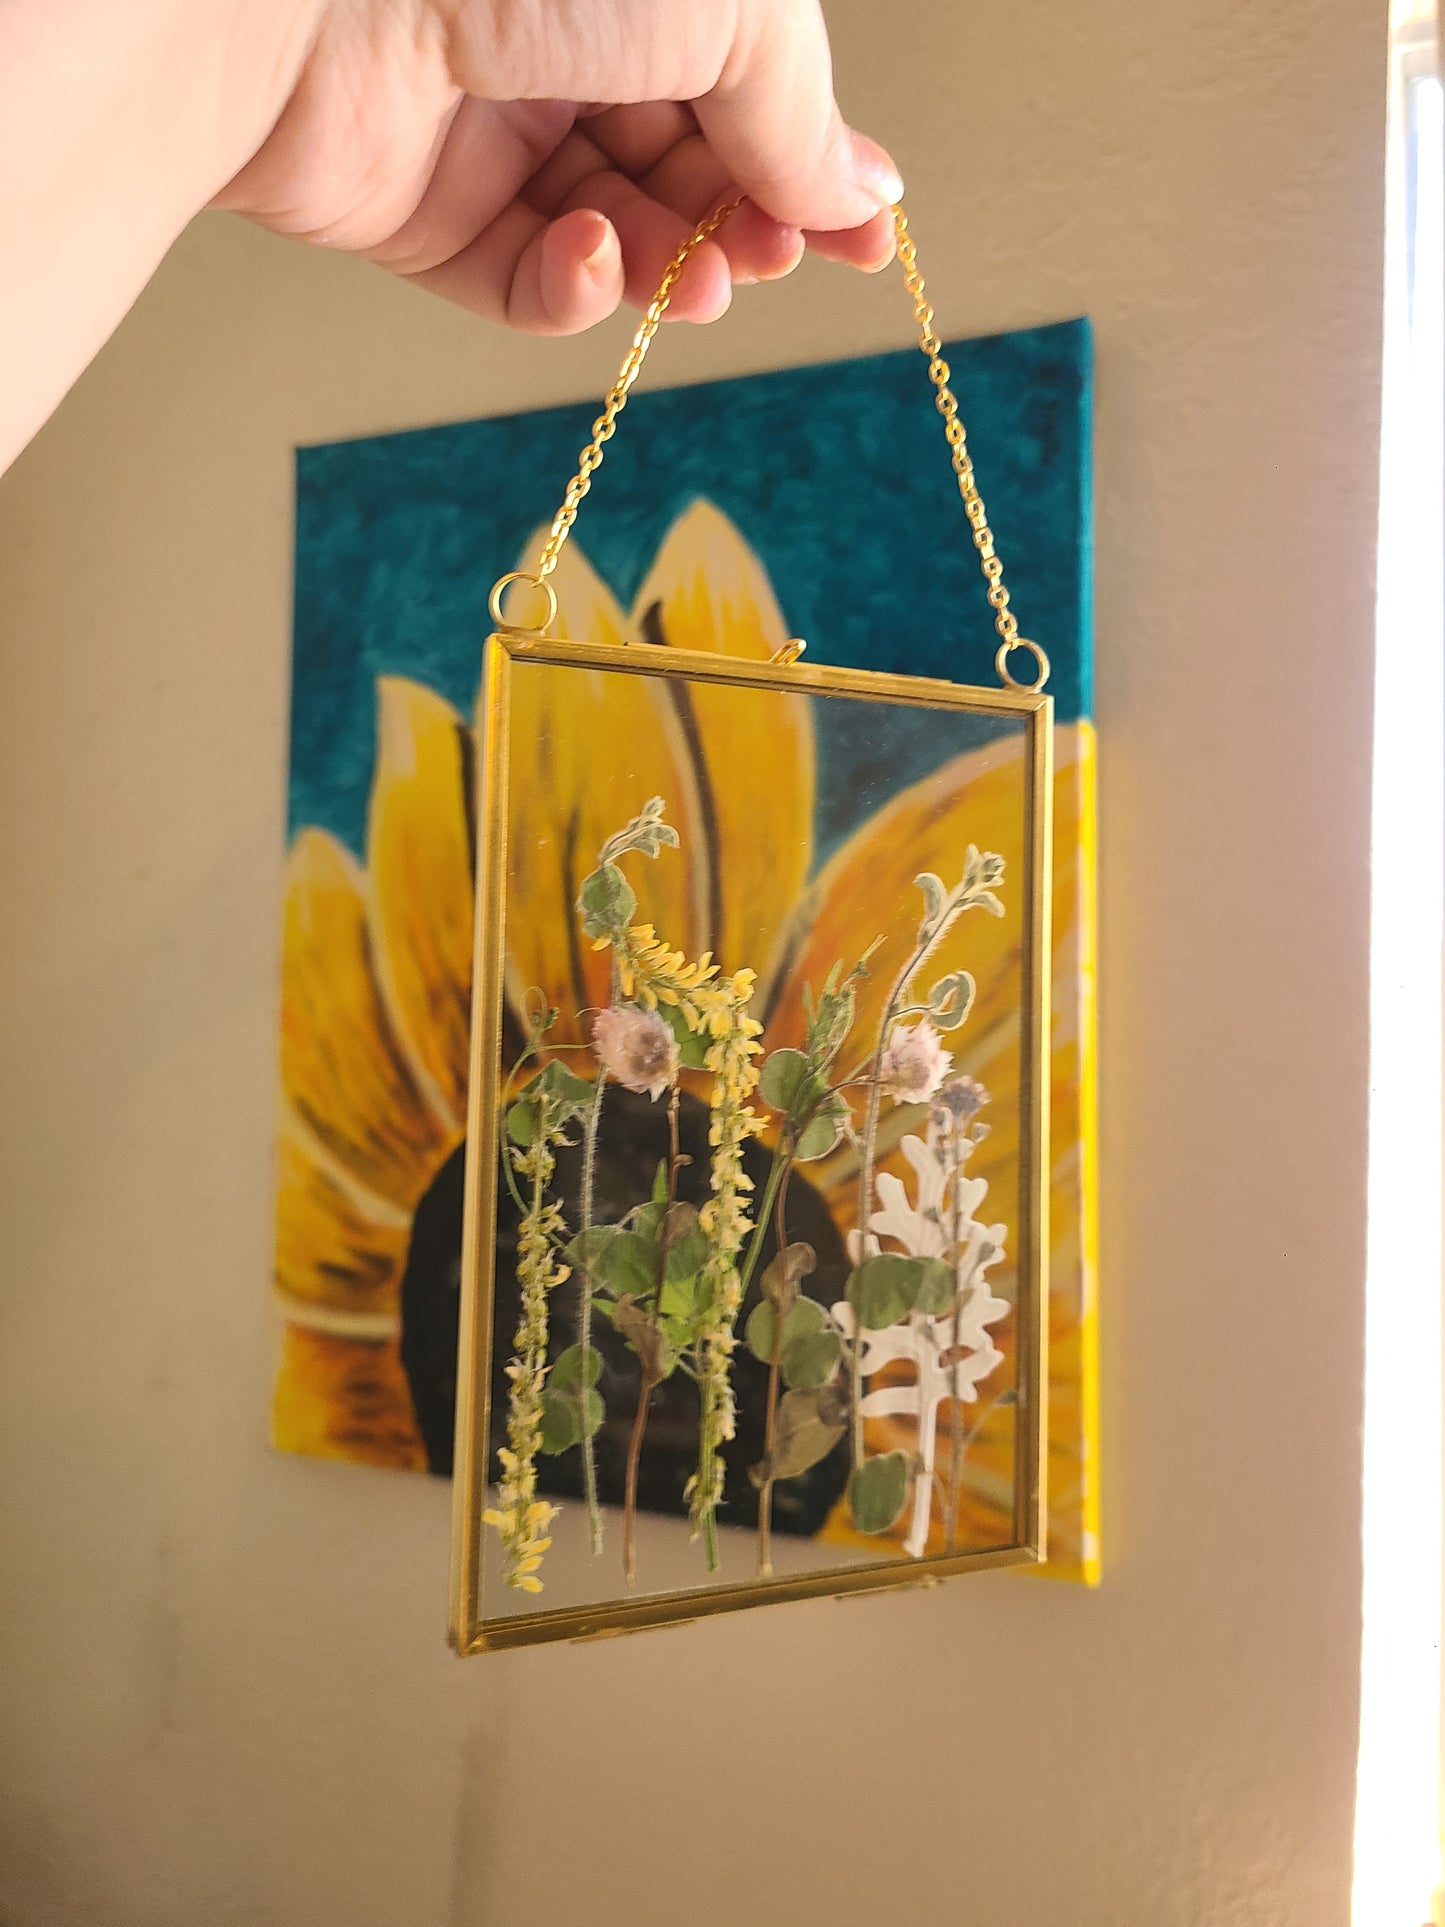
(787, 1082)
(566, 1372)
(593, 1411)
(679, 1298)
(647, 1219)
(829, 1032)
(884, 1289)
(522, 1122)
(561, 1423)
(935, 1294)
(810, 1361)
(687, 1256)
(606, 901)
(824, 1129)
(806, 1316)
(692, 1045)
(585, 1251)
(631, 1263)
(878, 1491)
(564, 1087)
(659, 1183)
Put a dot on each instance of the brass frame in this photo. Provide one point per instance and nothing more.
(468, 1632)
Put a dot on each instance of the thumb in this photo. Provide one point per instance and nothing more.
(774, 124)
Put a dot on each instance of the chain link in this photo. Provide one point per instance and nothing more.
(605, 426)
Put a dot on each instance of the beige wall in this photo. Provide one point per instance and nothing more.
(226, 1697)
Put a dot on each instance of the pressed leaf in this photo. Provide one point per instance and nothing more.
(935, 1294)
(606, 901)
(586, 1249)
(809, 1361)
(884, 1289)
(786, 1273)
(566, 1372)
(803, 1438)
(629, 1262)
(561, 1422)
(566, 1089)
(649, 1341)
(522, 1122)
(805, 1316)
(687, 1257)
(951, 999)
(935, 897)
(788, 1082)
(824, 1129)
(692, 1045)
(878, 1491)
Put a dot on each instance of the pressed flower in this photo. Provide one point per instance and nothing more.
(636, 1048)
(960, 1100)
(914, 1062)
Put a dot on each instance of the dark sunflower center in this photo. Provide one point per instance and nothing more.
(633, 1141)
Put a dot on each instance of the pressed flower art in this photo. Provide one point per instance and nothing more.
(703, 1216)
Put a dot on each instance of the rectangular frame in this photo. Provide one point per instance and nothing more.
(469, 1633)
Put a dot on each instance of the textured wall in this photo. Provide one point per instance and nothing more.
(226, 1697)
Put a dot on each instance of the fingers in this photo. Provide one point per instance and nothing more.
(757, 72)
(775, 126)
(870, 247)
(544, 277)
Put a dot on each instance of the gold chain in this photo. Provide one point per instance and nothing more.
(1004, 619)
(605, 426)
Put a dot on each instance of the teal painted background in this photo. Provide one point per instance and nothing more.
(837, 475)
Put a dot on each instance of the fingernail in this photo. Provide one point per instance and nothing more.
(874, 171)
(604, 248)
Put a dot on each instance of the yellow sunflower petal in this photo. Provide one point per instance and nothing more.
(341, 1398)
(588, 749)
(342, 1069)
(751, 755)
(337, 1247)
(419, 873)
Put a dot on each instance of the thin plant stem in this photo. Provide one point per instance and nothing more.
(629, 1497)
(775, 1368)
(584, 1307)
(955, 1414)
(651, 1378)
(924, 947)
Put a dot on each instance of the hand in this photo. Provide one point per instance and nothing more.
(539, 161)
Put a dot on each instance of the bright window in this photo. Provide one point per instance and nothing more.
(1398, 1822)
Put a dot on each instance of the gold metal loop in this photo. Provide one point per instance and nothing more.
(1000, 663)
(536, 581)
(603, 429)
(787, 652)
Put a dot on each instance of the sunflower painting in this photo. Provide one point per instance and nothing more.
(668, 909)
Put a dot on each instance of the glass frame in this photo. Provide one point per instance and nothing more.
(470, 1631)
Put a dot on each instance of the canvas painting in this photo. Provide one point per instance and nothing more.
(782, 830)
